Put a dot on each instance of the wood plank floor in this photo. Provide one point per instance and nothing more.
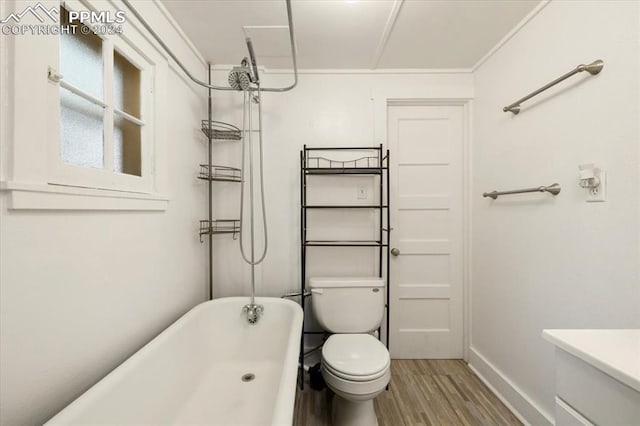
(422, 392)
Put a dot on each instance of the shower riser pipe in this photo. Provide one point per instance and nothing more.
(251, 209)
(210, 186)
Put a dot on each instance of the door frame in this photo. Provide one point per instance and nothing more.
(439, 96)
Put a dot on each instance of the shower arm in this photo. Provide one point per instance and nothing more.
(252, 55)
(249, 47)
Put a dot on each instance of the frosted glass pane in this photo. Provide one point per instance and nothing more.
(126, 146)
(81, 57)
(126, 85)
(81, 131)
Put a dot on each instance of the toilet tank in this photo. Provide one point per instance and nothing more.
(348, 305)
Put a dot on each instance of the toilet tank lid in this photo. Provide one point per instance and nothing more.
(329, 282)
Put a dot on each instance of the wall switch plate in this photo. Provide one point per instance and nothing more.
(362, 192)
(599, 193)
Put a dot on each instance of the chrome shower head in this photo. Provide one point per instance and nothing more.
(239, 77)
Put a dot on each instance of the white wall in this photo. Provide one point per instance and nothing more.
(554, 262)
(325, 109)
(80, 291)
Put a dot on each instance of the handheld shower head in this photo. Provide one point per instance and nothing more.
(239, 77)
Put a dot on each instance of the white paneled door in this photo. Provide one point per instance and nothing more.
(426, 308)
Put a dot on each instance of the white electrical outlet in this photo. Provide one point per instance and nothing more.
(599, 193)
(362, 192)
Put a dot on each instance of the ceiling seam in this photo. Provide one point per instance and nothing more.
(386, 33)
(511, 34)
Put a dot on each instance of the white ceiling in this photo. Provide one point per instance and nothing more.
(339, 34)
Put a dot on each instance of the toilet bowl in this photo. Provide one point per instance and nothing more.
(355, 365)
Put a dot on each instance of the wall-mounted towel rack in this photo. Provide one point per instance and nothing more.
(593, 68)
(553, 189)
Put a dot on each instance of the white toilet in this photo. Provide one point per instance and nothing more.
(355, 364)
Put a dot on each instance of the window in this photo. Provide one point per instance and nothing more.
(100, 103)
(127, 124)
(85, 115)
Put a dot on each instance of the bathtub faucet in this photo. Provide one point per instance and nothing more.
(253, 312)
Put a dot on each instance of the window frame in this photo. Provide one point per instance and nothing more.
(62, 173)
(35, 175)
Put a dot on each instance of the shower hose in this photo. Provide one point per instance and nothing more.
(246, 107)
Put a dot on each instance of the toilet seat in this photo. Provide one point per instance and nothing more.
(353, 378)
(355, 357)
(356, 391)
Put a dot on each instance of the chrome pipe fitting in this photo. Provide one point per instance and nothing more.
(296, 294)
(253, 312)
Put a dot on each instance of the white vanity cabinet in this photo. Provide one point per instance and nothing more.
(597, 377)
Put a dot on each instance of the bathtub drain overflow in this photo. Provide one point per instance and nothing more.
(248, 377)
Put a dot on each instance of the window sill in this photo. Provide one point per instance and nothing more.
(30, 196)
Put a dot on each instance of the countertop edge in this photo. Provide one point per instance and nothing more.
(620, 375)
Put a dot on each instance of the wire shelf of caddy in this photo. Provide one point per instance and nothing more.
(219, 226)
(220, 131)
(369, 164)
(220, 173)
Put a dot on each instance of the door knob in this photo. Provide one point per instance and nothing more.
(395, 251)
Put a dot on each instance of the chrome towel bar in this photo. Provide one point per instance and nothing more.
(553, 189)
(593, 68)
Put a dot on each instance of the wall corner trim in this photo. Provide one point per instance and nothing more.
(511, 34)
(520, 404)
(178, 29)
(350, 71)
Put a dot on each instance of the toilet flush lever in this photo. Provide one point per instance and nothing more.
(395, 251)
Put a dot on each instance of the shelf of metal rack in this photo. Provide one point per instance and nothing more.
(345, 206)
(220, 131)
(219, 226)
(339, 243)
(219, 173)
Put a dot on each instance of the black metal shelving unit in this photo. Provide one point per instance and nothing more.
(374, 164)
(218, 131)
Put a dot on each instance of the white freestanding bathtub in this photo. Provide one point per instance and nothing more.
(192, 373)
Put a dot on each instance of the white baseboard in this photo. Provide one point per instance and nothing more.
(513, 397)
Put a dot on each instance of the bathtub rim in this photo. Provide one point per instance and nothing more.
(285, 403)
